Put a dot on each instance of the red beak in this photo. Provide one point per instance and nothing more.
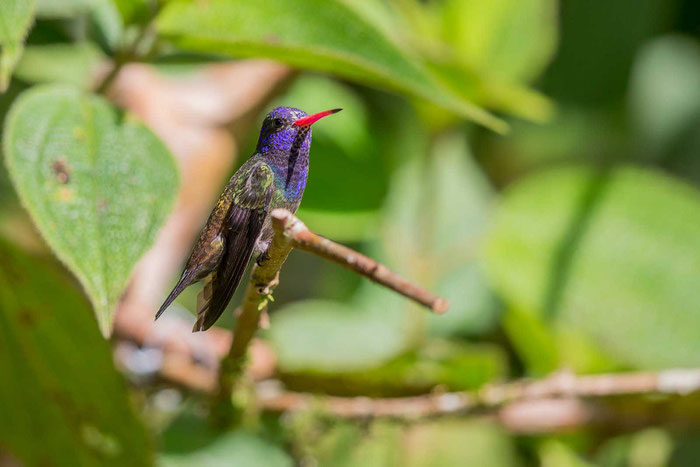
(311, 119)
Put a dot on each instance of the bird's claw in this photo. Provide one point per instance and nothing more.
(262, 259)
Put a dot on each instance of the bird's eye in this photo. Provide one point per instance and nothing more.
(277, 122)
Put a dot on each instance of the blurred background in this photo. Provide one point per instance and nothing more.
(536, 162)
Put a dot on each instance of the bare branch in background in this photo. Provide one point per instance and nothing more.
(556, 402)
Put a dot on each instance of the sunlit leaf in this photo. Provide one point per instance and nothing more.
(16, 17)
(322, 35)
(610, 255)
(62, 402)
(97, 184)
(511, 39)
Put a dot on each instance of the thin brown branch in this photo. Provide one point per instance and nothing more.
(302, 238)
(556, 402)
(290, 232)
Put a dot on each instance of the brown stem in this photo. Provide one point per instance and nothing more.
(304, 239)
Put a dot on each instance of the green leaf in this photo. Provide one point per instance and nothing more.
(510, 39)
(613, 256)
(234, 448)
(437, 210)
(485, 52)
(16, 17)
(322, 35)
(334, 337)
(97, 184)
(60, 63)
(62, 402)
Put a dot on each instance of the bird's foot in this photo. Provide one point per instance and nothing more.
(262, 259)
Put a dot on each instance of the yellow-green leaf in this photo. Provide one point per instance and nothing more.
(322, 35)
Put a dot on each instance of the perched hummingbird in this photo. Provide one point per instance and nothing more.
(240, 225)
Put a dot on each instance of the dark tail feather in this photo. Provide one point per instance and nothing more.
(239, 249)
(215, 299)
(184, 281)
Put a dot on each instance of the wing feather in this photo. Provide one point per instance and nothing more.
(244, 222)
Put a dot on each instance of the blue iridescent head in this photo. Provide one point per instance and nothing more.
(287, 129)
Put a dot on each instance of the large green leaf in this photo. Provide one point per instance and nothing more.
(62, 403)
(97, 184)
(16, 17)
(437, 210)
(322, 35)
(611, 255)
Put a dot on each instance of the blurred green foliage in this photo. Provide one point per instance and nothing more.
(63, 403)
(572, 242)
(591, 260)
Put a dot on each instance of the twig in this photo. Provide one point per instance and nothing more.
(290, 232)
(303, 239)
(540, 405)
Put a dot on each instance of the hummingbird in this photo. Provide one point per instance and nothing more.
(240, 226)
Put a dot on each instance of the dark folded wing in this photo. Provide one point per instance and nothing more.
(251, 199)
